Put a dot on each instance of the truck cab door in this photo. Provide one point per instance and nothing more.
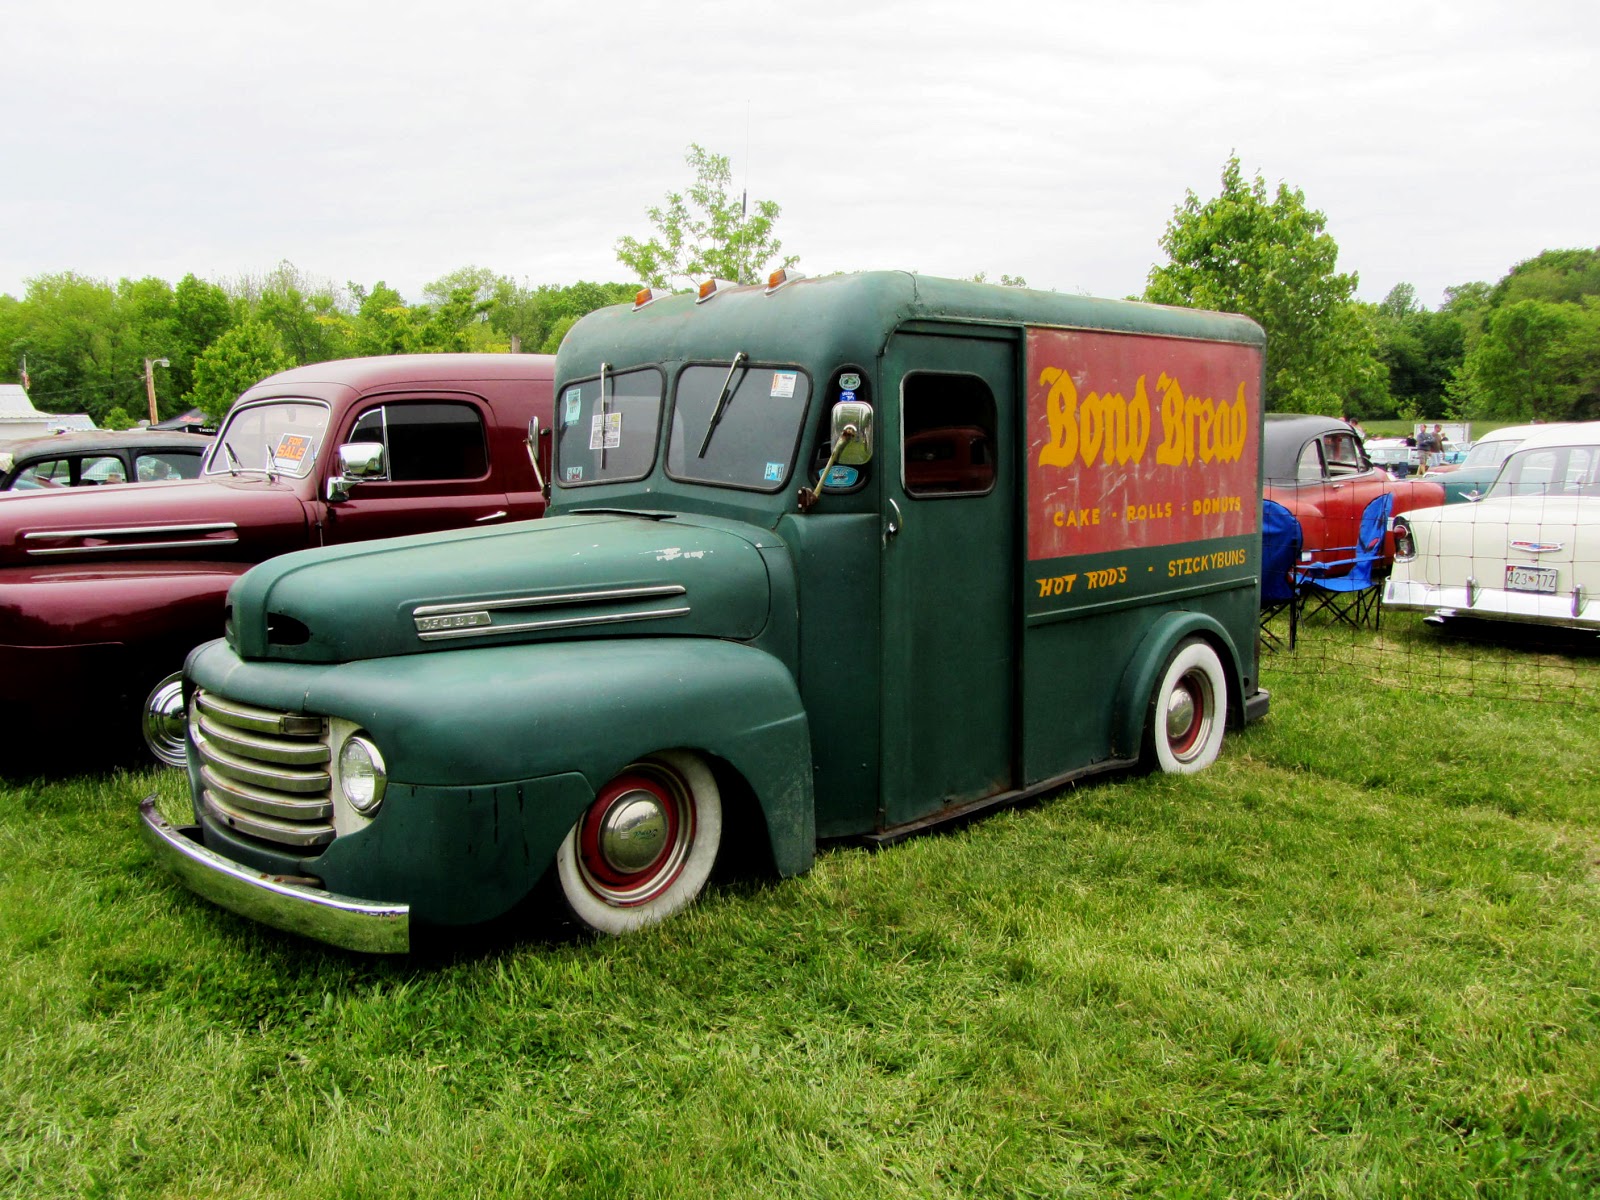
(949, 572)
(436, 472)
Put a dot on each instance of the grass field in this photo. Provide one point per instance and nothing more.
(1357, 958)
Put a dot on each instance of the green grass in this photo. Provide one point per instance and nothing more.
(1356, 958)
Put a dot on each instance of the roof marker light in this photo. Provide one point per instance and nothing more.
(782, 276)
(648, 295)
(711, 287)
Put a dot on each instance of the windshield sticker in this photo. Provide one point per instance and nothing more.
(573, 475)
(291, 451)
(774, 472)
(849, 381)
(605, 431)
(783, 385)
(842, 477)
(574, 405)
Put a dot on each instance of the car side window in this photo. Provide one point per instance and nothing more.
(1309, 468)
(155, 467)
(428, 440)
(1343, 453)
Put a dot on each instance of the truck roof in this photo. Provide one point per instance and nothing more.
(852, 314)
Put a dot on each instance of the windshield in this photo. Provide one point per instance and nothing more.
(610, 438)
(282, 436)
(1550, 471)
(1491, 454)
(757, 412)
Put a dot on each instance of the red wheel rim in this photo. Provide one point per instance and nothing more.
(635, 838)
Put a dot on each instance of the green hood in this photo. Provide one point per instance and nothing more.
(559, 579)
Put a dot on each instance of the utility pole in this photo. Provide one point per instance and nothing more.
(150, 384)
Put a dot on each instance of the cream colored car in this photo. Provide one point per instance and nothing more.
(1528, 551)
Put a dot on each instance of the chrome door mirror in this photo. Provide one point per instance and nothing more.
(533, 455)
(857, 448)
(358, 462)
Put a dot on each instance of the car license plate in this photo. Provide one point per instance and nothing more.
(1530, 579)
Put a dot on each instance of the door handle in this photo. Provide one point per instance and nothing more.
(494, 516)
(895, 522)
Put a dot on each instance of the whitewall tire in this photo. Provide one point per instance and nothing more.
(645, 848)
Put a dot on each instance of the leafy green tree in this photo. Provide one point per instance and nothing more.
(1421, 352)
(1271, 258)
(1536, 361)
(708, 233)
(246, 354)
(383, 324)
(1554, 276)
(540, 317)
(117, 418)
(306, 314)
(201, 313)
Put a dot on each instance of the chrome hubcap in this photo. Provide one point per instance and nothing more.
(634, 832)
(1181, 713)
(165, 724)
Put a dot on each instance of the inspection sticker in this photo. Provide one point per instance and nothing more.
(775, 472)
(574, 403)
(783, 384)
(605, 431)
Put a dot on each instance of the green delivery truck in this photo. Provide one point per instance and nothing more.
(825, 558)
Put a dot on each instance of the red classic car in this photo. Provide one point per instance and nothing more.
(104, 591)
(1317, 468)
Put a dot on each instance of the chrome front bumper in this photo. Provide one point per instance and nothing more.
(364, 925)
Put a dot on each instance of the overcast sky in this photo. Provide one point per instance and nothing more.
(398, 141)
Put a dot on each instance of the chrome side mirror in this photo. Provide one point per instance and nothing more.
(857, 449)
(358, 462)
(533, 455)
(852, 445)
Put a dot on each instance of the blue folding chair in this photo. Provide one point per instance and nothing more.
(1351, 596)
(1280, 555)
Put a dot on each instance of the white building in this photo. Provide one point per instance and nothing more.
(20, 419)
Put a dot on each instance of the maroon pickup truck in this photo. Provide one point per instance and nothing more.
(104, 591)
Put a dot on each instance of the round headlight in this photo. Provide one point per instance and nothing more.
(362, 775)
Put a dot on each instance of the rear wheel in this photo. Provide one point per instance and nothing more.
(645, 848)
(1188, 711)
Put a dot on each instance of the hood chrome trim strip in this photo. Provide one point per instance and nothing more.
(556, 623)
(57, 535)
(635, 593)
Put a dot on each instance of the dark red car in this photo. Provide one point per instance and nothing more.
(1317, 468)
(103, 591)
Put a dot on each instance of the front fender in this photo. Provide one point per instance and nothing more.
(1144, 670)
(492, 716)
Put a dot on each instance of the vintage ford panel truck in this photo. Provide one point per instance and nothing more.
(104, 591)
(842, 557)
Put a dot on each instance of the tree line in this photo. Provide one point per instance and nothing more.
(84, 341)
(1526, 347)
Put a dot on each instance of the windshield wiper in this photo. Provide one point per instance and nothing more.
(234, 465)
(722, 402)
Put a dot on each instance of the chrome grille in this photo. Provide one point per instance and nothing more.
(264, 774)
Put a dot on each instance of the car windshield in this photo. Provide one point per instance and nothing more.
(606, 435)
(736, 424)
(1550, 471)
(1491, 454)
(279, 436)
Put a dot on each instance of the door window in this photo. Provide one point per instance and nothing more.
(948, 435)
(431, 440)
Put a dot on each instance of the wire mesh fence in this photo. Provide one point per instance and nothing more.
(1487, 659)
